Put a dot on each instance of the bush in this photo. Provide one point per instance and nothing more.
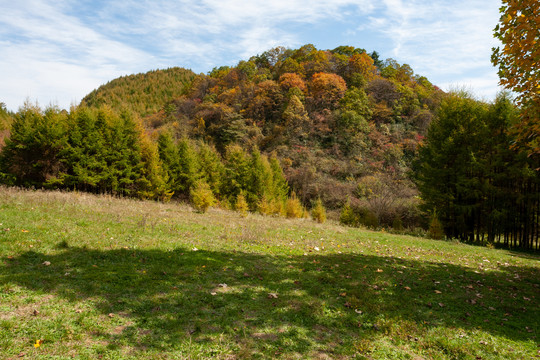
(369, 219)
(241, 205)
(436, 230)
(264, 206)
(319, 212)
(202, 197)
(277, 207)
(397, 224)
(293, 207)
(347, 216)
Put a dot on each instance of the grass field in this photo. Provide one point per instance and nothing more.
(92, 277)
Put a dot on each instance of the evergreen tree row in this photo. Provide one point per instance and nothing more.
(98, 151)
(89, 150)
(257, 179)
(480, 189)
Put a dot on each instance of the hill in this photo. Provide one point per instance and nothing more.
(142, 94)
(343, 123)
(96, 276)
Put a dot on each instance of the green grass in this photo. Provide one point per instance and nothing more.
(132, 279)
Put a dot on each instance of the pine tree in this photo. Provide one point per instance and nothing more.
(188, 167)
(318, 212)
(32, 153)
(241, 205)
(202, 197)
(168, 154)
(210, 167)
(237, 172)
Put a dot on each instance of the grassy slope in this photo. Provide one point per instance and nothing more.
(125, 281)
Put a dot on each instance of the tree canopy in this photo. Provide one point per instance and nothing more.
(519, 64)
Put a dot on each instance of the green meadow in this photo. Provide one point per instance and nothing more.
(97, 277)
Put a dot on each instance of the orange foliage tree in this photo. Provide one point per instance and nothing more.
(327, 89)
(292, 80)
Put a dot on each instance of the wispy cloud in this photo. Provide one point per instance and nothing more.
(449, 41)
(62, 50)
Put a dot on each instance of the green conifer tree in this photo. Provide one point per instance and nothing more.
(32, 153)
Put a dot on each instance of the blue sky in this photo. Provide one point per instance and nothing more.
(56, 52)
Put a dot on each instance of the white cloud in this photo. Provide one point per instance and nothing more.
(447, 41)
(64, 49)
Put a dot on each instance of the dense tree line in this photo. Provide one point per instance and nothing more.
(99, 151)
(92, 150)
(471, 179)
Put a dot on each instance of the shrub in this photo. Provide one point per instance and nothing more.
(397, 224)
(319, 212)
(293, 207)
(436, 230)
(369, 219)
(277, 207)
(241, 205)
(347, 216)
(264, 206)
(202, 197)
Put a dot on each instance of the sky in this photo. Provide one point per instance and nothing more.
(56, 52)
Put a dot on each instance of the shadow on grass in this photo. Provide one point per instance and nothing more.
(279, 303)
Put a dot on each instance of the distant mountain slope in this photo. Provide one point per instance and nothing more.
(143, 94)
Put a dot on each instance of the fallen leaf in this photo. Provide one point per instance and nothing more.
(343, 294)
(407, 288)
(272, 296)
(111, 315)
(441, 304)
(35, 313)
(213, 293)
(223, 285)
(24, 231)
(438, 292)
(380, 270)
(358, 311)
(38, 343)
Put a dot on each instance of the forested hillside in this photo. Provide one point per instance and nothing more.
(344, 124)
(142, 94)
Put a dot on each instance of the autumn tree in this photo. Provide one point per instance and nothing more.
(519, 63)
(291, 80)
(361, 69)
(327, 89)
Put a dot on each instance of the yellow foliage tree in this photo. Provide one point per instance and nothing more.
(519, 64)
